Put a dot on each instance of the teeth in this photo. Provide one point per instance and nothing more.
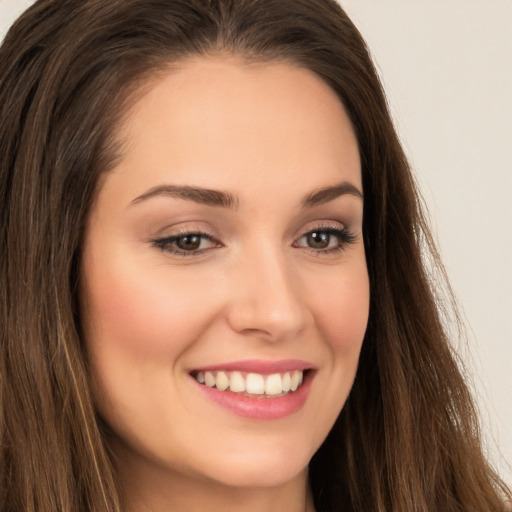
(252, 383)
(255, 384)
(237, 382)
(296, 378)
(273, 385)
(221, 381)
(286, 382)
(209, 379)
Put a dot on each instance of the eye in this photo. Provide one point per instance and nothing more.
(321, 240)
(186, 244)
(190, 242)
(325, 239)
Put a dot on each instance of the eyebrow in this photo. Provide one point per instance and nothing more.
(227, 200)
(326, 194)
(196, 194)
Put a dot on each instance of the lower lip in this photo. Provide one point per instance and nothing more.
(261, 408)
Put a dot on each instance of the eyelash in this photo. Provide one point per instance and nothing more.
(165, 244)
(344, 236)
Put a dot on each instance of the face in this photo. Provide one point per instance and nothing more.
(225, 290)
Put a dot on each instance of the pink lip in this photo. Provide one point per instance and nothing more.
(258, 366)
(259, 408)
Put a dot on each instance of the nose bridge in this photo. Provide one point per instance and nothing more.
(268, 298)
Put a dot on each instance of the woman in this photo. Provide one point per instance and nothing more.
(213, 286)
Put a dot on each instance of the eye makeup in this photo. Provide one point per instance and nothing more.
(323, 240)
(186, 242)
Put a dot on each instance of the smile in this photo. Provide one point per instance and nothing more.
(254, 385)
(257, 389)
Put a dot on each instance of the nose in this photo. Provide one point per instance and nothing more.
(267, 300)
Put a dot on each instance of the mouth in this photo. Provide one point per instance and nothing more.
(257, 389)
(251, 384)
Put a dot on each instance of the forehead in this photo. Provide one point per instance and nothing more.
(221, 123)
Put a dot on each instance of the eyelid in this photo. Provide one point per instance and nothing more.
(164, 242)
(322, 225)
(344, 235)
(325, 225)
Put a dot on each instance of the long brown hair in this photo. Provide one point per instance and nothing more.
(407, 438)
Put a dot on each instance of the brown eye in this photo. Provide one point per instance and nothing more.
(190, 242)
(324, 241)
(187, 244)
(318, 239)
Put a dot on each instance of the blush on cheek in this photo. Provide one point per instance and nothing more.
(344, 319)
(144, 315)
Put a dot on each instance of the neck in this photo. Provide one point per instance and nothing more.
(150, 490)
(148, 486)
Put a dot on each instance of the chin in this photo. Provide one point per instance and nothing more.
(259, 468)
(257, 477)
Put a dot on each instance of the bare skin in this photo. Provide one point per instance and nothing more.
(267, 268)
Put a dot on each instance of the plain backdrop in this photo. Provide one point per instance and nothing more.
(447, 69)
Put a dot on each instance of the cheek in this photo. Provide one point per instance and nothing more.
(137, 326)
(342, 310)
(141, 313)
(340, 303)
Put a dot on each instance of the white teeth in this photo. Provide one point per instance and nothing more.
(221, 381)
(287, 382)
(296, 378)
(209, 379)
(273, 384)
(237, 382)
(253, 383)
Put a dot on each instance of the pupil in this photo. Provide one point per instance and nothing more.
(319, 239)
(189, 242)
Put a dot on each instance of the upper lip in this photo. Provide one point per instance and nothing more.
(258, 366)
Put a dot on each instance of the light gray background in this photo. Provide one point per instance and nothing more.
(447, 68)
